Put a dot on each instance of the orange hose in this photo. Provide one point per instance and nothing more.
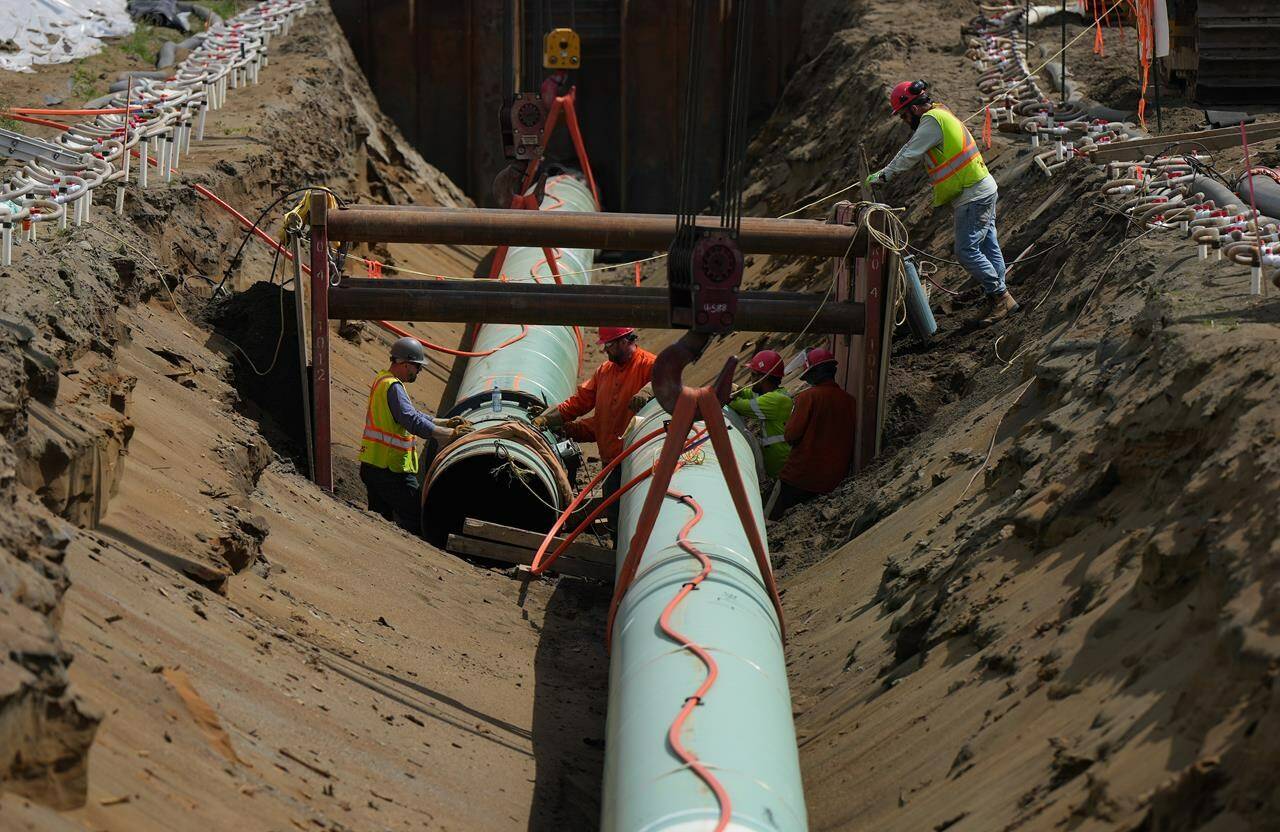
(43, 122)
(713, 671)
(39, 111)
(613, 498)
(538, 567)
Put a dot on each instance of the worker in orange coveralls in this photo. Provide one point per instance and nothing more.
(615, 392)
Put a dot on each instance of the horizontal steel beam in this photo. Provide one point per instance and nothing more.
(571, 229)
(541, 290)
(549, 305)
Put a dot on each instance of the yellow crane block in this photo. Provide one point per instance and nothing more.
(561, 49)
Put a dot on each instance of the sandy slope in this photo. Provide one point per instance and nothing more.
(336, 674)
(1048, 609)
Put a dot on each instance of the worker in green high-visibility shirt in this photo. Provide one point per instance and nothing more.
(765, 403)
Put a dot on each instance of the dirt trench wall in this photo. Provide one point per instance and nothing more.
(62, 454)
(1052, 603)
(45, 729)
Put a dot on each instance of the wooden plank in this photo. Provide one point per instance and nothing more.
(520, 556)
(532, 540)
(1183, 142)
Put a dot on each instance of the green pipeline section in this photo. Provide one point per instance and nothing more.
(504, 480)
(544, 363)
(742, 731)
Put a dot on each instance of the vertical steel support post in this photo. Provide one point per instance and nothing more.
(320, 339)
(1064, 51)
(862, 357)
(843, 346)
(300, 322)
(868, 289)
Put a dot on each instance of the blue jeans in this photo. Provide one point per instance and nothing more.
(977, 246)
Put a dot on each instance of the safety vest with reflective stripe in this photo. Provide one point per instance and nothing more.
(385, 444)
(771, 411)
(956, 163)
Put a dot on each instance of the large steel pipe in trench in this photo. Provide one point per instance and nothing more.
(510, 480)
(742, 730)
(627, 232)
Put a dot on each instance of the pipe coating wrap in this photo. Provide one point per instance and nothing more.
(743, 731)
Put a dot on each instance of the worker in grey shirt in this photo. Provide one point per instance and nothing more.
(389, 463)
(959, 177)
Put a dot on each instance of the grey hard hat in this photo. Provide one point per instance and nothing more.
(410, 351)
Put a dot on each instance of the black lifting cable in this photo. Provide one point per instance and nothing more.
(735, 145)
(709, 305)
(686, 194)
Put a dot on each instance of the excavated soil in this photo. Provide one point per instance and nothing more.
(1050, 604)
(197, 637)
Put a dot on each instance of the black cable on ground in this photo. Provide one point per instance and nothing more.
(257, 225)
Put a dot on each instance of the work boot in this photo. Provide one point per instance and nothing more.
(999, 307)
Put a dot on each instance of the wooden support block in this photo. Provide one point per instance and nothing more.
(532, 540)
(1183, 142)
(520, 556)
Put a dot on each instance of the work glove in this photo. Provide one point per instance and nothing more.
(551, 420)
(640, 399)
(872, 179)
(451, 422)
(462, 429)
(535, 410)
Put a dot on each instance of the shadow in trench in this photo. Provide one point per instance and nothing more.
(571, 675)
(428, 702)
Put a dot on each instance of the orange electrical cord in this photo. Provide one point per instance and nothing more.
(390, 327)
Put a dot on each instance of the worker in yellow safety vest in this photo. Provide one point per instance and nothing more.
(388, 453)
(959, 178)
(766, 403)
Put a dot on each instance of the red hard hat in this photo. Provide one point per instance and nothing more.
(906, 93)
(766, 363)
(613, 333)
(816, 356)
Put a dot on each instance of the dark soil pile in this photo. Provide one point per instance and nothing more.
(258, 327)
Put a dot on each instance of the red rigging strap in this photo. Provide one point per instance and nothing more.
(540, 566)
(690, 404)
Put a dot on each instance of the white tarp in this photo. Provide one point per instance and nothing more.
(57, 31)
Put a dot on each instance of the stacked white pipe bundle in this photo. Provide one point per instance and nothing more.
(157, 118)
(1176, 192)
(1173, 192)
(998, 51)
